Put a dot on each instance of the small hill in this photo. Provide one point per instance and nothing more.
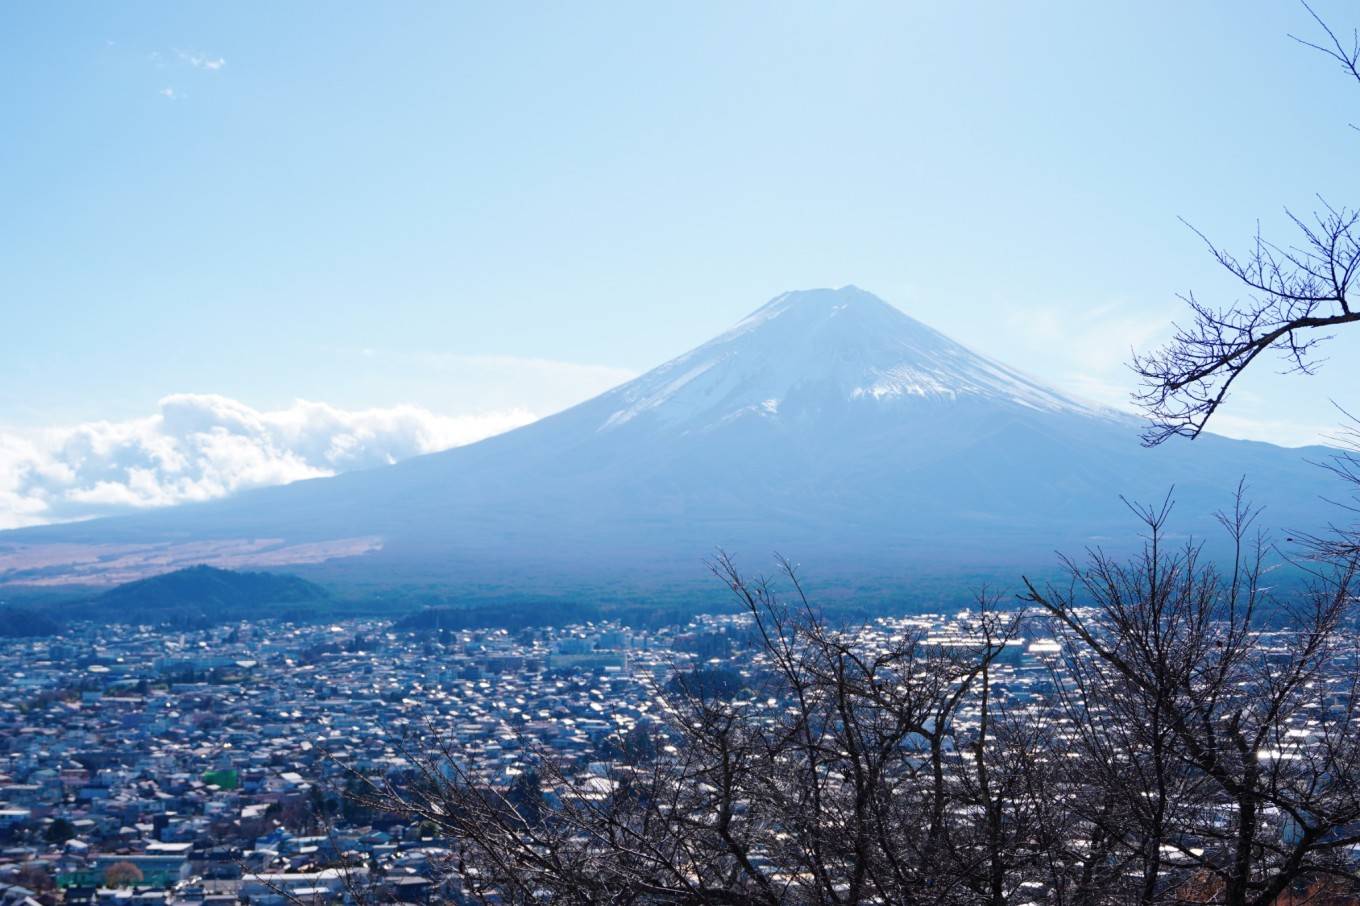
(18, 623)
(202, 595)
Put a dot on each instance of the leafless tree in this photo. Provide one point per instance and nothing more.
(1341, 540)
(1296, 292)
(1195, 740)
(1222, 753)
(844, 773)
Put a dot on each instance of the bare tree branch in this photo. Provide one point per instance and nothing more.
(1295, 294)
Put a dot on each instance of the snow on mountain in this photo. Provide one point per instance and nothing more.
(822, 347)
(827, 425)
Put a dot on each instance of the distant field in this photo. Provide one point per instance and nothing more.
(62, 564)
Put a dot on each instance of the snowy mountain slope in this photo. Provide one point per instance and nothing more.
(827, 425)
(817, 348)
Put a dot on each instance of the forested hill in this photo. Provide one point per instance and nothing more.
(19, 622)
(203, 594)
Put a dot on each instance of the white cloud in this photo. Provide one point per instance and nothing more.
(597, 377)
(200, 446)
(1083, 349)
(1283, 432)
(442, 380)
(201, 61)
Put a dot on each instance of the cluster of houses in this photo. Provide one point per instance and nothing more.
(227, 765)
(141, 765)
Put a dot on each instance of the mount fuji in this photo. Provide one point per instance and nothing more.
(827, 425)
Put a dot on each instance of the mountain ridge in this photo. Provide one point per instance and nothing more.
(827, 425)
(879, 353)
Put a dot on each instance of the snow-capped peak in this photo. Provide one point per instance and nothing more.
(820, 348)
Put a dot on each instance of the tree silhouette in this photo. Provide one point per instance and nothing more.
(122, 874)
(59, 831)
(1296, 293)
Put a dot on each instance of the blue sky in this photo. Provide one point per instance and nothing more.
(475, 208)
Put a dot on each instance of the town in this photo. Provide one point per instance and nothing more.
(219, 766)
